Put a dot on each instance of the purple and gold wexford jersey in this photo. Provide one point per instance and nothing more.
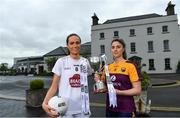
(123, 74)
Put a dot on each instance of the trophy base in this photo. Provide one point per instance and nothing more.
(104, 90)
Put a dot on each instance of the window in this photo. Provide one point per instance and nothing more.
(133, 47)
(132, 32)
(150, 47)
(167, 64)
(149, 30)
(166, 45)
(116, 34)
(102, 49)
(165, 29)
(101, 36)
(151, 64)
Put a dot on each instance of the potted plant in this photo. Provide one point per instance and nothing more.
(36, 93)
(142, 102)
(146, 81)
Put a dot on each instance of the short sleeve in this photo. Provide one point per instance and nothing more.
(57, 69)
(134, 73)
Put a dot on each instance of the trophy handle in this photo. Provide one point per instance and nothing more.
(101, 65)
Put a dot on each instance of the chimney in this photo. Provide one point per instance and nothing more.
(170, 9)
(95, 20)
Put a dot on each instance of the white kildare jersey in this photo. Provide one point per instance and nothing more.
(69, 85)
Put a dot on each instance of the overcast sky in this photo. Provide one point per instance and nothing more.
(35, 27)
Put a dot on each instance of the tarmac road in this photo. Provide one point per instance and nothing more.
(164, 94)
(165, 99)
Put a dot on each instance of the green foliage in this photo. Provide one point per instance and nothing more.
(36, 84)
(3, 67)
(50, 62)
(12, 71)
(146, 80)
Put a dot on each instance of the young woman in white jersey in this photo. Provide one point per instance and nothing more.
(67, 81)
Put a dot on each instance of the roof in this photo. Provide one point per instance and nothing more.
(87, 43)
(33, 58)
(85, 48)
(62, 51)
(57, 52)
(132, 18)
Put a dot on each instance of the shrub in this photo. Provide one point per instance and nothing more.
(146, 81)
(36, 84)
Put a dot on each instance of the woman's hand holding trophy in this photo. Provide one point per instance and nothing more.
(99, 86)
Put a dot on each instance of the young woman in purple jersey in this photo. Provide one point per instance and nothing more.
(125, 77)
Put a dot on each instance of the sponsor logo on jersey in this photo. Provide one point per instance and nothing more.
(74, 81)
(113, 78)
(76, 68)
(115, 69)
(123, 69)
(118, 84)
(83, 69)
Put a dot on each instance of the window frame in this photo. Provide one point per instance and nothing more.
(132, 32)
(166, 46)
(150, 47)
(116, 34)
(167, 64)
(165, 29)
(102, 49)
(149, 31)
(133, 47)
(101, 36)
(151, 64)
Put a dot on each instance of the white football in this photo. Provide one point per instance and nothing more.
(59, 104)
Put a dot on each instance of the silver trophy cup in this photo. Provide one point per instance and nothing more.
(97, 65)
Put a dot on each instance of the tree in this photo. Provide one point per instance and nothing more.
(146, 80)
(3, 68)
(50, 61)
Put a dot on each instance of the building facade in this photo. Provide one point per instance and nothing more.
(38, 64)
(29, 65)
(152, 38)
(59, 52)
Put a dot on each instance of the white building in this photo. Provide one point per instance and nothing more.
(38, 64)
(154, 38)
(29, 65)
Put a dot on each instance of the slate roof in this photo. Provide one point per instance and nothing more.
(57, 52)
(32, 58)
(132, 18)
(86, 48)
(62, 51)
